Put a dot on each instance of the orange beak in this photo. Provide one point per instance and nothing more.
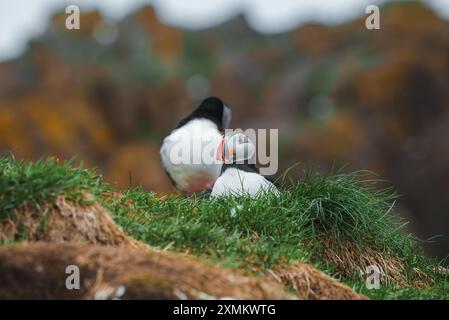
(220, 154)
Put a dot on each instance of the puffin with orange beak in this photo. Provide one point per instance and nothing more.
(239, 174)
(191, 154)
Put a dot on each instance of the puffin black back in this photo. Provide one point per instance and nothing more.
(211, 108)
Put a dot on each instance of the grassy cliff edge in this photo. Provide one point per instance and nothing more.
(338, 224)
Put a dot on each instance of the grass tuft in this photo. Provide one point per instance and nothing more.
(35, 183)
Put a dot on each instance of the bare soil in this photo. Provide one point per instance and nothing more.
(38, 271)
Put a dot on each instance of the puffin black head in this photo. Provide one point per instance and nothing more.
(238, 148)
(213, 109)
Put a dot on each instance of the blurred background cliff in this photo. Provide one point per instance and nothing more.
(376, 100)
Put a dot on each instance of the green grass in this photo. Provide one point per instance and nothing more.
(253, 234)
(31, 184)
(439, 291)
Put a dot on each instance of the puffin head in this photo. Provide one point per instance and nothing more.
(238, 148)
(215, 110)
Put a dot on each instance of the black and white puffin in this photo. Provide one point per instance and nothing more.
(192, 154)
(239, 176)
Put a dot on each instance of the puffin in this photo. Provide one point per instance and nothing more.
(239, 174)
(192, 154)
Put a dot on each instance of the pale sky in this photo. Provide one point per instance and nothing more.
(21, 20)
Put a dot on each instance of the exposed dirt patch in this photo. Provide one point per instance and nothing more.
(34, 271)
(311, 283)
(65, 222)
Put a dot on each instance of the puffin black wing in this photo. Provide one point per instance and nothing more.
(274, 181)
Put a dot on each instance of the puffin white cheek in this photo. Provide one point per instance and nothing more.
(244, 152)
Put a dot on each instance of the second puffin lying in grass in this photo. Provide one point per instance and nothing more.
(239, 175)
